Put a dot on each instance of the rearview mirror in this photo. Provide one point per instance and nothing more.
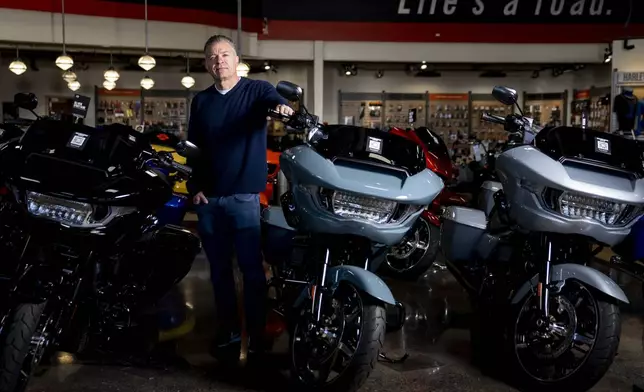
(505, 95)
(290, 91)
(187, 149)
(27, 101)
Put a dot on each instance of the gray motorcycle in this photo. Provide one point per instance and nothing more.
(352, 193)
(553, 320)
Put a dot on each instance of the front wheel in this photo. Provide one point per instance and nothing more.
(339, 352)
(573, 348)
(22, 347)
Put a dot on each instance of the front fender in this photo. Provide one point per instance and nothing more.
(587, 275)
(364, 280)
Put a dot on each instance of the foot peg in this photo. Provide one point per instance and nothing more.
(396, 317)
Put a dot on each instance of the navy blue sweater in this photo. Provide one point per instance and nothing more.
(230, 130)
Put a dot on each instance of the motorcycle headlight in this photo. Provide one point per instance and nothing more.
(69, 212)
(575, 205)
(362, 207)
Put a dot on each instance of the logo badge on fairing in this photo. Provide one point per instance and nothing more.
(602, 145)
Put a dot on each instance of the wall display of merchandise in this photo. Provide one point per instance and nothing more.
(482, 130)
(405, 110)
(628, 104)
(361, 109)
(549, 109)
(449, 115)
(58, 106)
(593, 105)
(118, 106)
(168, 109)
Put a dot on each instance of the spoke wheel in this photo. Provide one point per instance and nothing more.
(573, 347)
(339, 352)
(415, 253)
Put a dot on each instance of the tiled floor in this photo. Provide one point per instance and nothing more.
(436, 337)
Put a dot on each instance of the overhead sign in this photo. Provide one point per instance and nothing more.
(630, 78)
(457, 11)
(441, 11)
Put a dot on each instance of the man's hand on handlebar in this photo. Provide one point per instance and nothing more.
(284, 110)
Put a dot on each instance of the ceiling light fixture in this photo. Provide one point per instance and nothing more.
(69, 76)
(147, 82)
(423, 66)
(63, 61)
(74, 85)
(109, 84)
(111, 74)
(18, 66)
(243, 69)
(187, 81)
(146, 61)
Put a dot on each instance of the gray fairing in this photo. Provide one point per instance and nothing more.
(587, 275)
(307, 172)
(525, 172)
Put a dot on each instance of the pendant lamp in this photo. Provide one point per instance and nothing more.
(147, 82)
(146, 61)
(18, 66)
(74, 85)
(188, 81)
(63, 61)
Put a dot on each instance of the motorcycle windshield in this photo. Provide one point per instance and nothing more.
(55, 152)
(591, 146)
(371, 145)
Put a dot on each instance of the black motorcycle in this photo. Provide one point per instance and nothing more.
(82, 252)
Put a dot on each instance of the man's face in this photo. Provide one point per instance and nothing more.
(221, 61)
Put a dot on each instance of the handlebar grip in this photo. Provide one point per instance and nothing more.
(492, 118)
(277, 115)
(187, 170)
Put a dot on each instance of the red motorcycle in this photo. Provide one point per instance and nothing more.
(418, 250)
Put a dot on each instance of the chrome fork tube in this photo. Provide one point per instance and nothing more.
(319, 292)
(545, 283)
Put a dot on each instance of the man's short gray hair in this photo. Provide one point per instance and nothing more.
(219, 38)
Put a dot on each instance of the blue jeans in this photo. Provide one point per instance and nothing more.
(224, 222)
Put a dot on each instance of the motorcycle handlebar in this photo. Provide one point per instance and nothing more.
(187, 170)
(492, 118)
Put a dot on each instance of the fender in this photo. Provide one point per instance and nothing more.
(364, 280)
(587, 275)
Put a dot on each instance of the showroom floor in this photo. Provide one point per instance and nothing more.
(436, 338)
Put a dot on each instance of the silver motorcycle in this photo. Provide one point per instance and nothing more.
(553, 320)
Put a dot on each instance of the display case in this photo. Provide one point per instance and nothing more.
(549, 109)
(118, 106)
(449, 115)
(167, 109)
(362, 109)
(600, 109)
(483, 130)
(580, 108)
(405, 110)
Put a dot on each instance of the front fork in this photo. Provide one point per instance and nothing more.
(543, 288)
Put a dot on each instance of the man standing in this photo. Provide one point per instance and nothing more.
(228, 123)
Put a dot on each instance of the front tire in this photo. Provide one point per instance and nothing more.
(18, 357)
(597, 327)
(355, 354)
